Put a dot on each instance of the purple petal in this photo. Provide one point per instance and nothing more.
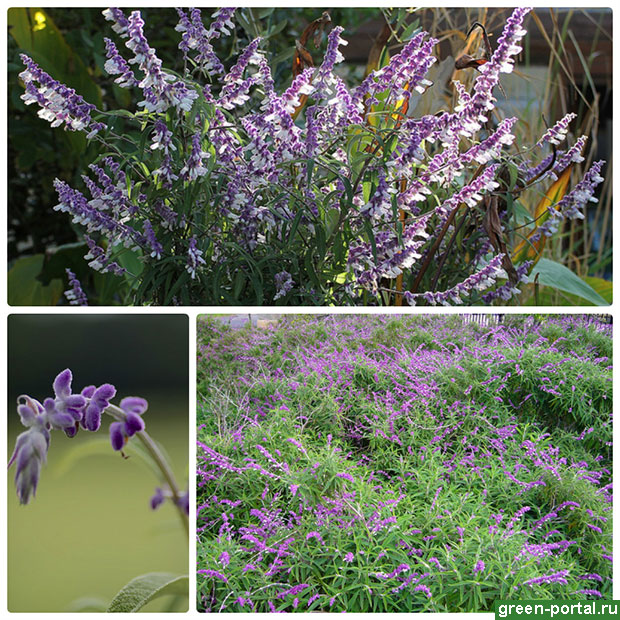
(92, 417)
(19, 444)
(117, 437)
(134, 404)
(62, 384)
(105, 393)
(57, 419)
(157, 499)
(71, 431)
(29, 410)
(88, 391)
(133, 424)
(75, 401)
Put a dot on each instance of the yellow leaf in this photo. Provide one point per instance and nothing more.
(532, 250)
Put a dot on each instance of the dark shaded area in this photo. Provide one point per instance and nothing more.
(139, 354)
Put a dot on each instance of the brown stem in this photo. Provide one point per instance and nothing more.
(448, 248)
(431, 253)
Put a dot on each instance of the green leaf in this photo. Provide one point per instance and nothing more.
(182, 280)
(332, 218)
(411, 31)
(143, 589)
(562, 278)
(123, 113)
(130, 260)
(603, 287)
(24, 289)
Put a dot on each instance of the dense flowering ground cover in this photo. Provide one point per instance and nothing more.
(377, 463)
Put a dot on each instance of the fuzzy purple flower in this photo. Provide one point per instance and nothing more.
(284, 283)
(479, 567)
(59, 104)
(98, 399)
(120, 432)
(212, 573)
(67, 412)
(194, 258)
(75, 295)
(157, 499)
(155, 246)
(559, 577)
(31, 448)
(117, 65)
(557, 133)
(194, 167)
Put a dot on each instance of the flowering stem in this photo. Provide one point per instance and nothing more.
(447, 252)
(435, 247)
(151, 447)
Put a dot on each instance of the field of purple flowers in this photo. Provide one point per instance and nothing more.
(386, 463)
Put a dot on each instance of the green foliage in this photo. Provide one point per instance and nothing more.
(145, 588)
(429, 488)
(557, 276)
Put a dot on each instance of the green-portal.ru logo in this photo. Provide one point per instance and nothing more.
(564, 610)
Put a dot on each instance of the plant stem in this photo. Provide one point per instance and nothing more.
(151, 447)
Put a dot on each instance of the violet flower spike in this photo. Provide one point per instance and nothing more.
(284, 283)
(68, 411)
(75, 295)
(59, 104)
(31, 448)
(117, 65)
(194, 258)
(557, 133)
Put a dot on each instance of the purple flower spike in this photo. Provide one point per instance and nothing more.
(75, 295)
(67, 412)
(29, 454)
(30, 448)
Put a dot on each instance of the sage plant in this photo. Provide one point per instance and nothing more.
(69, 412)
(384, 463)
(231, 192)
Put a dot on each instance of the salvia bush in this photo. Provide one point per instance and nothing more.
(71, 412)
(219, 189)
(385, 463)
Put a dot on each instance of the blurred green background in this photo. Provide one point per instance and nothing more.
(90, 528)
